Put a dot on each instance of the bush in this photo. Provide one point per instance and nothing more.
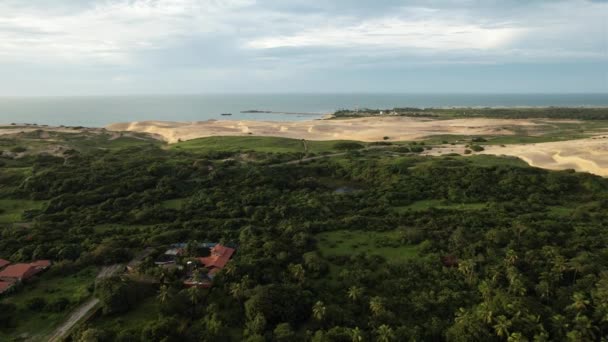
(348, 146)
(417, 149)
(58, 305)
(36, 303)
(477, 148)
(467, 151)
(18, 149)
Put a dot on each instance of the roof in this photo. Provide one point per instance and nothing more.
(4, 263)
(41, 263)
(19, 271)
(218, 258)
(5, 285)
(174, 251)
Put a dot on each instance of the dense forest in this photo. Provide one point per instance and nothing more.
(365, 246)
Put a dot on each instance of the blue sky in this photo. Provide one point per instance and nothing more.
(99, 47)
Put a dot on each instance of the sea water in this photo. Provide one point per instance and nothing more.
(99, 111)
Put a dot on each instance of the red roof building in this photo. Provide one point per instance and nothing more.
(5, 285)
(41, 264)
(4, 263)
(218, 258)
(24, 271)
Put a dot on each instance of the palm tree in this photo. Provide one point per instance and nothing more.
(237, 290)
(356, 335)
(517, 337)
(467, 268)
(195, 295)
(385, 333)
(579, 302)
(502, 326)
(355, 293)
(319, 310)
(230, 269)
(163, 294)
(297, 272)
(376, 305)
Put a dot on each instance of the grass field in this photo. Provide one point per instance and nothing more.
(12, 209)
(176, 203)
(36, 324)
(347, 243)
(257, 144)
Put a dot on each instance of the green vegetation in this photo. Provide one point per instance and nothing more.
(44, 303)
(389, 245)
(12, 210)
(373, 242)
(581, 113)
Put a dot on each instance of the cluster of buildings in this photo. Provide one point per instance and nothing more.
(217, 259)
(12, 274)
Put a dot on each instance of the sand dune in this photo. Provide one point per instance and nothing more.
(363, 129)
(588, 155)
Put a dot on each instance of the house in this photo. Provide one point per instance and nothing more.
(4, 263)
(21, 272)
(218, 259)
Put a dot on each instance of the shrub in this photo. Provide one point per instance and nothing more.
(36, 303)
(348, 146)
(477, 148)
(467, 151)
(18, 149)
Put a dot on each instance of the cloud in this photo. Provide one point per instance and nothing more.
(398, 33)
(106, 31)
(243, 43)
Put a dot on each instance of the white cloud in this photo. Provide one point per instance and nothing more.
(106, 32)
(398, 33)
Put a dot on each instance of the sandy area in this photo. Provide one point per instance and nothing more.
(589, 155)
(584, 155)
(362, 129)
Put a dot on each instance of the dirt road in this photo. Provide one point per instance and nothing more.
(85, 308)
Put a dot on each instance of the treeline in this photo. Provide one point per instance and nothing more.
(579, 113)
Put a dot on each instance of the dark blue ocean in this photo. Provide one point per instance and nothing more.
(98, 111)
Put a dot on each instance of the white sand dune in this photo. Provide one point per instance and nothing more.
(364, 129)
(588, 155)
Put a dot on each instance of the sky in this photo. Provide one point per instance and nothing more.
(110, 47)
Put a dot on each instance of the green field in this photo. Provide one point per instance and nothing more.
(177, 203)
(41, 322)
(347, 243)
(12, 209)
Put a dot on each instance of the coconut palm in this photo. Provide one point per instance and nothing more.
(195, 295)
(385, 333)
(355, 293)
(297, 272)
(319, 310)
(376, 305)
(237, 290)
(502, 326)
(356, 335)
(163, 294)
(579, 302)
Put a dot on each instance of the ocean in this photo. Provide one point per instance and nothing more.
(99, 111)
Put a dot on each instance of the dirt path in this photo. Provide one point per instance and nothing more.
(86, 308)
(74, 318)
